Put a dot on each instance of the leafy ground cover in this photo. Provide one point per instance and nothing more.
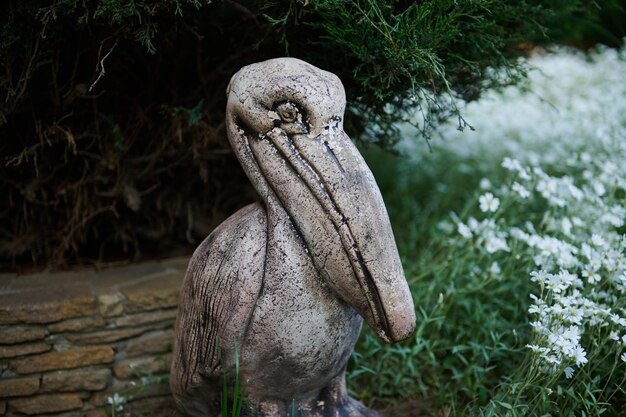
(513, 240)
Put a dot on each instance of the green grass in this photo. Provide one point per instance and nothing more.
(238, 392)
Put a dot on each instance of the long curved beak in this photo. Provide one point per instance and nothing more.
(334, 202)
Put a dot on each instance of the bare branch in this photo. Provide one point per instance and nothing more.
(101, 63)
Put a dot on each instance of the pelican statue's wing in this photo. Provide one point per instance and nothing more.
(218, 295)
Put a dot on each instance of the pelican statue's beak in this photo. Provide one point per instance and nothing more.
(294, 148)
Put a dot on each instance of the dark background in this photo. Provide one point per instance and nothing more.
(112, 142)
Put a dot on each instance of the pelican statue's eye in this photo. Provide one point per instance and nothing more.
(288, 112)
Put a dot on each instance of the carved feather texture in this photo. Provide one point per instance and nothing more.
(221, 285)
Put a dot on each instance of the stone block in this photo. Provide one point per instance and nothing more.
(48, 403)
(111, 304)
(76, 380)
(106, 336)
(96, 412)
(130, 368)
(11, 351)
(179, 263)
(99, 399)
(149, 344)
(18, 387)
(18, 334)
(73, 358)
(5, 281)
(46, 280)
(143, 318)
(157, 292)
(75, 325)
(123, 276)
(68, 414)
(47, 306)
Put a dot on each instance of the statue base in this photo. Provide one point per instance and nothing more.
(333, 401)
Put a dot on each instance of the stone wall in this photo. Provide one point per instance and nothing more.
(70, 341)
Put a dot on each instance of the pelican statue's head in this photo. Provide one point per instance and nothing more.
(285, 123)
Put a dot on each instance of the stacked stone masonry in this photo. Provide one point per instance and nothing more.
(70, 341)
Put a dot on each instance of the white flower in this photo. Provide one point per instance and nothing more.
(580, 356)
(615, 216)
(566, 224)
(494, 269)
(537, 325)
(535, 309)
(591, 274)
(445, 226)
(597, 240)
(618, 320)
(494, 243)
(547, 187)
(569, 372)
(598, 187)
(488, 203)
(538, 349)
(614, 336)
(520, 190)
(473, 224)
(485, 184)
(539, 276)
(560, 282)
(575, 192)
(611, 260)
(117, 401)
(623, 357)
(588, 252)
(573, 316)
(567, 278)
(511, 164)
(464, 230)
(524, 174)
(551, 359)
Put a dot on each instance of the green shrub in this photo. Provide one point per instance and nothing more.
(111, 111)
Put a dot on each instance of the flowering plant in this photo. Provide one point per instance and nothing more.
(519, 271)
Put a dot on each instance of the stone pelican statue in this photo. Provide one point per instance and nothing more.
(282, 285)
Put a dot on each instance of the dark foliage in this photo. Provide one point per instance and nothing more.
(111, 112)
